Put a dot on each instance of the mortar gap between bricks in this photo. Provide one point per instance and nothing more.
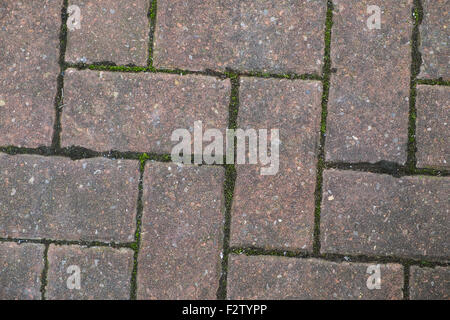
(44, 274)
(151, 35)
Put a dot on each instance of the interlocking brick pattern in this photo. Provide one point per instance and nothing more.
(88, 183)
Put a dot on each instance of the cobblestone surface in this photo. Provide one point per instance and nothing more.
(430, 284)
(138, 112)
(28, 71)
(432, 128)
(104, 273)
(366, 213)
(182, 228)
(290, 278)
(57, 198)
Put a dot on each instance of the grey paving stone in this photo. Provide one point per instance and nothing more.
(29, 37)
(376, 214)
(277, 211)
(139, 112)
(182, 232)
(429, 284)
(57, 198)
(285, 36)
(434, 44)
(369, 93)
(20, 271)
(104, 272)
(432, 126)
(110, 31)
(268, 277)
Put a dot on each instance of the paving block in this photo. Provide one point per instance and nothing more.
(369, 92)
(432, 127)
(281, 278)
(277, 211)
(429, 284)
(96, 273)
(138, 112)
(182, 232)
(434, 36)
(57, 198)
(379, 215)
(20, 271)
(285, 36)
(29, 37)
(109, 31)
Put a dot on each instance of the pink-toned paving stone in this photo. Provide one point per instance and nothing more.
(429, 284)
(182, 232)
(104, 273)
(433, 127)
(277, 211)
(57, 198)
(369, 92)
(138, 112)
(29, 37)
(379, 215)
(110, 31)
(434, 40)
(285, 36)
(266, 277)
(20, 271)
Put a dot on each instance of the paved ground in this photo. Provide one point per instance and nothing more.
(358, 210)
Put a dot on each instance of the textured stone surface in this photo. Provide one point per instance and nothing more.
(432, 126)
(429, 284)
(278, 211)
(374, 214)
(20, 271)
(182, 232)
(138, 112)
(434, 35)
(265, 277)
(285, 36)
(112, 31)
(369, 93)
(105, 273)
(28, 71)
(57, 198)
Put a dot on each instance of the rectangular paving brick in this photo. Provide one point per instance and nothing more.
(429, 284)
(20, 271)
(57, 198)
(434, 36)
(109, 31)
(285, 36)
(182, 232)
(29, 37)
(377, 214)
(281, 278)
(432, 126)
(277, 211)
(139, 112)
(369, 92)
(104, 273)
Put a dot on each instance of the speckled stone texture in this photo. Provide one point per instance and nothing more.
(105, 273)
(435, 35)
(182, 232)
(285, 36)
(275, 278)
(369, 92)
(29, 37)
(57, 198)
(277, 211)
(138, 112)
(379, 215)
(429, 284)
(432, 127)
(111, 31)
(20, 271)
